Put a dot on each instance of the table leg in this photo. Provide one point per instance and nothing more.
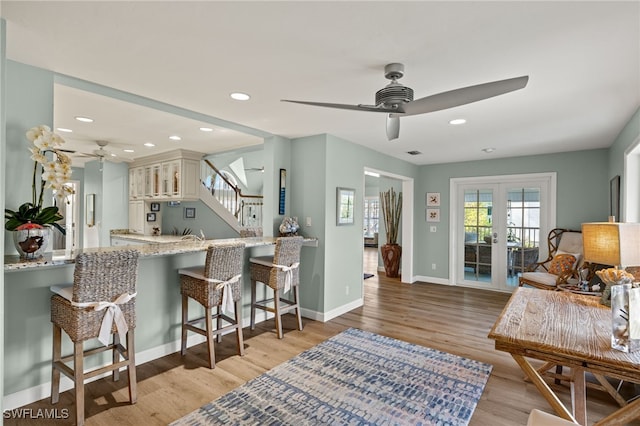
(544, 389)
(623, 416)
(579, 395)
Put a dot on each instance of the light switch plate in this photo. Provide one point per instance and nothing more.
(433, 228)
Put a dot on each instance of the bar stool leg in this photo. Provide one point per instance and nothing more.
(185, 319)
(209, 327)
(131, 368)
(276, 301)
(296, 298)
(78, 379)
(116, 357)
(239, 337)
(57, 355)
(219, 322)
(253, 304)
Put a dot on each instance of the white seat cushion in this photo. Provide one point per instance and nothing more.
(263, 260)
(65, 291)
(541, 277)
(540, 418)
(196, 272)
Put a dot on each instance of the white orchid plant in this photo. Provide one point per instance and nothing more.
(55, 172)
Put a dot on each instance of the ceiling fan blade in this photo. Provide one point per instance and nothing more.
(370, 108)
(393, 127)
(465, 95)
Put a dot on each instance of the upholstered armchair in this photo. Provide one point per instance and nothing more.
(565, 259)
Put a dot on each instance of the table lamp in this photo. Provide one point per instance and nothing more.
(617, 244)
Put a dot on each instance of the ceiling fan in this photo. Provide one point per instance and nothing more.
(103, 154)
(397, 101)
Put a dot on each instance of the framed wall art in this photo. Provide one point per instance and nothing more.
(433, 199)
(345, 199)
(283, 190)
(155, 207)
(189, 212)
(151, 217)
(433, 215)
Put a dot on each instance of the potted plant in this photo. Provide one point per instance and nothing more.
(391, 204)
(31, 222)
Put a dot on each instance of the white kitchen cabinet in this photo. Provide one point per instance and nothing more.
(169, 176)
(152, 178)
(136, 216)
(136, 183)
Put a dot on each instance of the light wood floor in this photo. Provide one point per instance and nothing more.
(452, 319)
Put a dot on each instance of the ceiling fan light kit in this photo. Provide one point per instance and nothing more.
(396, 100)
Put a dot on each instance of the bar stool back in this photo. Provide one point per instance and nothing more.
(281, 273)
(216, 284)
(100, 303)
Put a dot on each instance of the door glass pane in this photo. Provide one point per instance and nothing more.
(523, 230)
(478, 206)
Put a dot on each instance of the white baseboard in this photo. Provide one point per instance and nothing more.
(327, 316)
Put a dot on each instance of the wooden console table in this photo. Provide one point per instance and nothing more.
(571, 330)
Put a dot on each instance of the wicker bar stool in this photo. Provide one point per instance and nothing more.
(281, 273)
(100, 303)
(216, 284)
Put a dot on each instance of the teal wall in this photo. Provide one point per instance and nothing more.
(625, 139)
(627, 136)
(29, 92)
(277, 155)
(582, 195)
(206, 220)
(320, 164)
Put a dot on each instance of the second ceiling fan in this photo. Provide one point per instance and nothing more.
(397, 101)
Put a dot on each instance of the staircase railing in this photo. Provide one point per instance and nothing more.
(246, 208)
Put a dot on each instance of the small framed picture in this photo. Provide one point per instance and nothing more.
(433, 199)
(155, 207)
(189, 212)
(151, 217)
(433, 215)
(345, 202)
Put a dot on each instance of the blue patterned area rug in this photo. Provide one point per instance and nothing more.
(355, 378)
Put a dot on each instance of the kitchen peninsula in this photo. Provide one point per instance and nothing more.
(27, 307)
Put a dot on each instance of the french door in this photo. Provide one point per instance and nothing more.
(499, 228)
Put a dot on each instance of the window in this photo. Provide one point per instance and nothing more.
(371, 216)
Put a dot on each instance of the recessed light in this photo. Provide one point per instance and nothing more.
(488, 150)
(457, 121)
(85, 119)
(206, 129)
(175, 138)
(414, 152)
(149, 144)
(62, 129)
(128, 150)
(239, 96)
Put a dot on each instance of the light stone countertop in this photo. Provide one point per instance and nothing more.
(154, 246)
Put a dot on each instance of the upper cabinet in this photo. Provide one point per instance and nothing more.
(174, 175)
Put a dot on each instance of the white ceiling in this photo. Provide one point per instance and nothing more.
(583, 59)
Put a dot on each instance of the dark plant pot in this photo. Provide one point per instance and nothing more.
(391, 257)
